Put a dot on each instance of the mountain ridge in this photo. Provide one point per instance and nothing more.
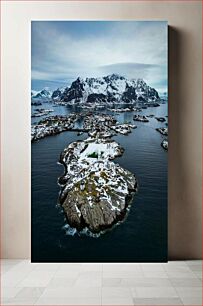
(112, 88)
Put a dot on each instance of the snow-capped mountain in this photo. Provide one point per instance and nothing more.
(56, 95)
(43, 94)
(33, 93)
(111, 88)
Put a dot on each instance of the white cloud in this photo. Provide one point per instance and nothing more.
(127, 46)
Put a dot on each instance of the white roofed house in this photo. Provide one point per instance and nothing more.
(82, 185)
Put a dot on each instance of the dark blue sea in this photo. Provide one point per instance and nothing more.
(142, 237)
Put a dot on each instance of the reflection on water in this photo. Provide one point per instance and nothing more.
(143, 235)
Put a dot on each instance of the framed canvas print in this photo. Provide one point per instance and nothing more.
(99, 132)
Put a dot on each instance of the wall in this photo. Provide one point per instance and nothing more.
(184, 19)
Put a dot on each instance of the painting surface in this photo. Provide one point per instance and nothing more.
(99, 132)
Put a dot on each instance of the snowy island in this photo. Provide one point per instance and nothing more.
(52, 125)
(96, 192)
(106, 125)
(163, 131)
(164, 144)
(39, 112)
(140, 118)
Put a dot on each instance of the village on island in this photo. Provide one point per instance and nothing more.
(56, 124)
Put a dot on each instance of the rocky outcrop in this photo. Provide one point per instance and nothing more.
(95, 191)
(56, 95)
(163, 131)
(140, 118)
(160, 119)
(164, 144)
(44, 94)
(74, 93)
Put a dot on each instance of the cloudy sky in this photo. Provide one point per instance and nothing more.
(64, 50)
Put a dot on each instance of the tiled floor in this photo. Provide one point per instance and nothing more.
(174, 283)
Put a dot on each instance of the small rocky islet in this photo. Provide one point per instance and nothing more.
(163, 131)
(164, 144)
(96, 192)
(40, 112)
(52, 125)
(140, 118)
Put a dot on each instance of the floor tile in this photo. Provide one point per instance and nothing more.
(135, 268)
(112, 282)
(9, 292)
(30, 292)
(157, 301)
(185, 282)
(116, 292)
(15, 275)
(155, 274)
(178, 274)
(90, 274)
(61, 282)
(22, 301)
(117, 301)
(91, 267)
(147, 282)
(5, 268)
(46, 267)
(196, 268)
(189, 291)
(152, 267)
(37, 279)
(192, 301)
(73, 292)
(198, 274)
(66, 273)
(177, 268)
(122, 274)
(71, 267)
(69, 301)
(4, 301)
(153, 292)
(88, 282)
